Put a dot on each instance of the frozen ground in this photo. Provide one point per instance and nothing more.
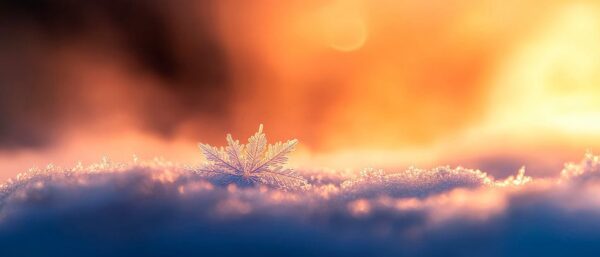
(157, 208)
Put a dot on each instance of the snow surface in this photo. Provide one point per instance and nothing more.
(158, 208)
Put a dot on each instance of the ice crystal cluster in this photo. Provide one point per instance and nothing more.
(422, 182)
(255, 162)
(588, 168)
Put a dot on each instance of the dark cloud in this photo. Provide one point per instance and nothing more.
(172, 41)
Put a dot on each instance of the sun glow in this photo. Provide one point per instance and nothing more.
(553, 81)
(343, 26)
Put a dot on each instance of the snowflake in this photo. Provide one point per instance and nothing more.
(252, 163)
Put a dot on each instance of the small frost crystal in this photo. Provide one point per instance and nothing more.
(251, 163)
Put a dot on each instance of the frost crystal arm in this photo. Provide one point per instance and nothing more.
(234, 151)
(217, 158)
(276, 155)
(284, 178)
(255, 149)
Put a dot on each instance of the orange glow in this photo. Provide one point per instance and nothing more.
(359, 83)
(428, 79)
(552, 79)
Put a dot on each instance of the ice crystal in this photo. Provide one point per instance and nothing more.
(586, 170)
(423, 182)
(255, 162)
(413, 181)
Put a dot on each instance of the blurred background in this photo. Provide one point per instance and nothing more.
(492, 84)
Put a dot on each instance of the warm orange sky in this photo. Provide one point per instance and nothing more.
(377, 80)
(397, 73)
